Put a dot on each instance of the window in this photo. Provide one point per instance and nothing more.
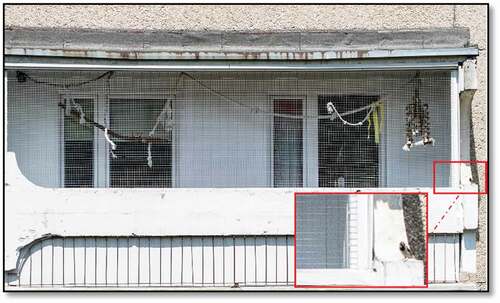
(78, 146)
(348, 156)
(322, 231)
(134, 163)
(287, 143)
(129, 165)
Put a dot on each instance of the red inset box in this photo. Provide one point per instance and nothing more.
(426, 263)
(435, 163)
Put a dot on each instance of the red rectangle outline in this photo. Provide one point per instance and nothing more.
(434, 164)
(426, 282)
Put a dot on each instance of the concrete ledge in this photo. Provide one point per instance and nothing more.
(454, 286)
(432, 287)
(228, 45)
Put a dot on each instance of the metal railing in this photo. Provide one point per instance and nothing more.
(148, 261)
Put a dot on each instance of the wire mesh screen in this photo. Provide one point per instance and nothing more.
(345, 168)
(322, 232)
(127, 167)
(287, 143)
(229, 129)
(79, 149)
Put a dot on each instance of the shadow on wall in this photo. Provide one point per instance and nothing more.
(414, 217)
(472, 145)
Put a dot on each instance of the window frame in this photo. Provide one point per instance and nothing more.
(135, 96)
(271, 99)
(101, 174)
(62, 162)
(455, 176)
(310, 173)
(382, 146)
(363, 222)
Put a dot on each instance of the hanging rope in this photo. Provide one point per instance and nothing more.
(182, 75)
(166, 119)
(113, 145)
(112, 134)
(166, 115)
(70, 104)
(332, 110)
(22, 76)
(150, 158)
(255, 109)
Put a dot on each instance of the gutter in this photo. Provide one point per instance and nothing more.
(207, 66)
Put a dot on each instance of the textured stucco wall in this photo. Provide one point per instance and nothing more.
(288, 18)
(209, 17)
(475, 18)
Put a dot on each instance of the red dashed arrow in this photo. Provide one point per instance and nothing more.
(446, 212)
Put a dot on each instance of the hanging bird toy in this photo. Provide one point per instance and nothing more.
(417, 121)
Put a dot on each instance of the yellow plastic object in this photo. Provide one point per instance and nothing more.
(378, 121)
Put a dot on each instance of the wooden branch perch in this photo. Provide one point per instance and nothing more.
(113, 134)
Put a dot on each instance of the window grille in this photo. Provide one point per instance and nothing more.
(229, 129)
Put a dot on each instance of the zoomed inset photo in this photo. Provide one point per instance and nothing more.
(361, 240)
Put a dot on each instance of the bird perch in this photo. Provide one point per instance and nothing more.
(113, 134)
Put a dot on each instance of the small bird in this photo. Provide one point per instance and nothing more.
(236, 285)
(405, 250)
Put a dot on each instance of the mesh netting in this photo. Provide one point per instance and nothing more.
(229, 129)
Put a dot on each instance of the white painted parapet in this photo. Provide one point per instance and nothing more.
(389, 232)
(389, 227)
(33, 211)
(404, 273)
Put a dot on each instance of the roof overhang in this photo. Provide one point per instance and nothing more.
(119, 50)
